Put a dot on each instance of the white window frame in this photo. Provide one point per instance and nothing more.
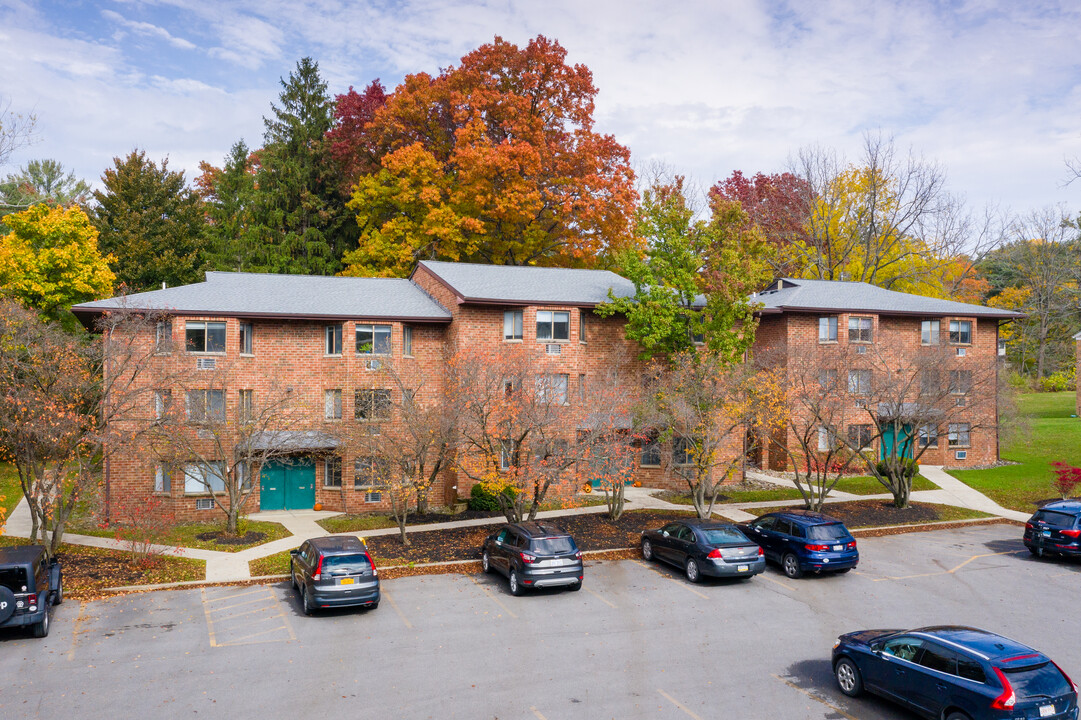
(859, 329)
(552, 388)
(163, 480)
(827, 329)
(929, 332)
(194, 325)
(507, 451)
(163, 337)
(332, 404)
(332, 469)
(857, 388)
(376, 330)
(407, 340)
(207, 415)
(551, 322)
(369, 398)
(958, 332)
(332, 339)
(163, 400)
(513, 323)
(927, 436)
(960, 435)
(245, 405)
(247, 332)
(196, 473)
(682, 446)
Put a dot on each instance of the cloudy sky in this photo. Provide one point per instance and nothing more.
(989, 89)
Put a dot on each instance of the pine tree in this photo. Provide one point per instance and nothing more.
(228, 194)
(151, 222)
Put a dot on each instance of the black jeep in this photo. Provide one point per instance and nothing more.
(29, 583)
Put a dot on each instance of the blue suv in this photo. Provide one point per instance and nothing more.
(1055, 529)
(954, 673)
(804, 541)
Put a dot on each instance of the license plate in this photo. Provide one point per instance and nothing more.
(347, 581)
(1046, 533)
(1047, 710)
(743, 568)
(552, 563)
(838, 548)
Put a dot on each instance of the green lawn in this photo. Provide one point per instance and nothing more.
(186, 534)
(868, 485)
(9, 488)
(865, 485)
(1052, 436)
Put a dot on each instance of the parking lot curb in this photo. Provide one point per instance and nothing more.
(925, 527)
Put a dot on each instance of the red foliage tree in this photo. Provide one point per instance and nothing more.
(1067, 477)
(348, 140)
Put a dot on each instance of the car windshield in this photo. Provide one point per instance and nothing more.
(723, 536)
(13, 578)
(554, 545)
(346, 564)
(1036, 681)
(1055, 519)
(833, 531)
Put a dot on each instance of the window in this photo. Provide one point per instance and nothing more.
(939, 659)
(246, 405)
(163, 337)
(407, 340)
(206, 405)
(961, 332)
(683, 451)
(859, 382)
(930, 382)
(206, 337)
(199, 477)
(372, 405)
(552, 389)
(860, 435)
(582, 388)
(929, 332)
(958, 435)
(960, 382)
(163, 479)
(242, 475)
(827, 379)
(370, 474)
(860, 329)
(651, 452)
(827, 329)
(553, 325)
(332, 405)
(928, 436)
(245, 339)
(333, 335)
(332, 472)
(512, 325)
(162, 401)
(823, 439)
(373, 339)
(581, 326)
(409, 398)
(508, 454)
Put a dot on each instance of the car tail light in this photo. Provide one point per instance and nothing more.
(1072, 683)
(32, 601)
(1028, 526)
(715, 553)
(817, 548)
(1071, 533)
(375, 570)
(1006, 700)
(318, 570)
(578, 555)
(527, 558)
(852, 545)
(761, 552)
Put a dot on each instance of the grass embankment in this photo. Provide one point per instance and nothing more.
(10, 490)
(1052, 436)
(861, 485)
(206, 536)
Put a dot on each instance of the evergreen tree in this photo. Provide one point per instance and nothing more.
(41, 181)
(151, 222)
(228, 194)
(299, 224)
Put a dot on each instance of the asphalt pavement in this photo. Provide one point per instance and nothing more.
(638, 641)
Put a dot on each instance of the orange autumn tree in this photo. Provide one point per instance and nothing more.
(493, 161)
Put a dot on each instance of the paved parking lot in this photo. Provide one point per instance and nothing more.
(637, 642)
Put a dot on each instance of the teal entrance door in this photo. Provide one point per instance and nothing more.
(287, 485)
(890, 438)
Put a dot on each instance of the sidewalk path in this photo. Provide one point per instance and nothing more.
(233, 566)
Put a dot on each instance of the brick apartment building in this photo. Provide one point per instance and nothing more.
(323, 340)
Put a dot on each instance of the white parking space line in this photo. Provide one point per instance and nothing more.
(537, 713)
(678, 704)
(671, 579)
(390, 599)
(494, 598)
(783, 584)
(814, 697)
(951, 571)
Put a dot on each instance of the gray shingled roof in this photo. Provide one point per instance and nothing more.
(792, 295)
(305, 296)
(514, 284)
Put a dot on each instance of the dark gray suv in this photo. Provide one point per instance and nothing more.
(532, 555)
(334, 571)
(29, 584)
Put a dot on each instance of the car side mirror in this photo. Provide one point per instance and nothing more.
(498, 541)
(664, 533)
(294, 553)
(876, 649)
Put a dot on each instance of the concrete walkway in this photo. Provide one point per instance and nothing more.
(302, 524)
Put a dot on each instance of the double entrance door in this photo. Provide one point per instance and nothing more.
(287, 484)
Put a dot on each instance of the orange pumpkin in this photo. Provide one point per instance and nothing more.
(318, 506)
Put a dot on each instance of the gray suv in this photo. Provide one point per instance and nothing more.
(533, 555)
(334, 571)
(29, 584)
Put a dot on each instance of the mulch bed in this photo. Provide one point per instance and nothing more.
(87, 571)
(865, 513)
(220, 538)
(591, 532)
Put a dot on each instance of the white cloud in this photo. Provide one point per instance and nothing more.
(148, 30)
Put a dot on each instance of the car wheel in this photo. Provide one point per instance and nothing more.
(1036, 552)
(790, 565)
(957, 716)
(41, 629)
(515, 587)
(647, 549)
(58, 596)
(485, 562)
(848, 677)
(693, 573)
(306, 601)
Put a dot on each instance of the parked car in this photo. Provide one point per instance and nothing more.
(334, 571)
(1055, 529)
(704, 547)
(803, 541)
(954, 673)
(533, 555)
(29, 583)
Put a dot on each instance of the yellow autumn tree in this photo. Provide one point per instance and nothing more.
(50, 260)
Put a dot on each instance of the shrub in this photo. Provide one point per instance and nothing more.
(480, 498)
(1059, 381)
(1066, 479)
(143, 525)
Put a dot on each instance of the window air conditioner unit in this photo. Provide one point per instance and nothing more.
(960, 402)
(961, 352)
(552, 349)
(373, 497)
(373, 364)
(961, 454)
(205, 363)
(861, 403)
(204, 504)
(861, 349)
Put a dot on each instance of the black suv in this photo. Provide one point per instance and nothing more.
(533, 554)
(1055, 529)
(29, 583)
(334, 571)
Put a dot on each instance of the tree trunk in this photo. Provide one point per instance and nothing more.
(232, 520)
(615, 505)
